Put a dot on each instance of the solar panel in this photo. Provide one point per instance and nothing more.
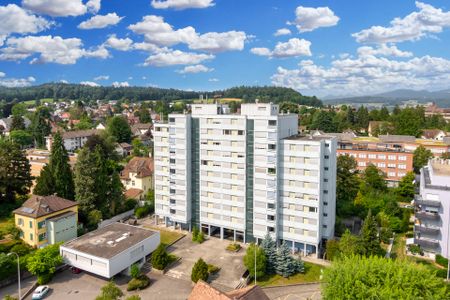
(27, 210)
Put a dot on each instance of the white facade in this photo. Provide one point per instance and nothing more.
(431, 228)
(107, 251)
(235, 174)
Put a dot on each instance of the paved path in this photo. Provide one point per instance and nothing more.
(391, 243)
(294, 292)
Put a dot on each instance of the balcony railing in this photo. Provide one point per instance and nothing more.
(427, 215)
(427, 229)
(426, 243)
(418, 200)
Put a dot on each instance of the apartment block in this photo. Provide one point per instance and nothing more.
(432, 208)
(240, 176)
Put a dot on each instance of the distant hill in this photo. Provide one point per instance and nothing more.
(135, 93)
(442, 98)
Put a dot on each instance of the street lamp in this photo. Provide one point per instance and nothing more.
(18, 270)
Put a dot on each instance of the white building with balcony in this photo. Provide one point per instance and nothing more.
(239, 176)
(432, 216)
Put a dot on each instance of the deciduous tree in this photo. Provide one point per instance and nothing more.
(421, 157)
(261, 260)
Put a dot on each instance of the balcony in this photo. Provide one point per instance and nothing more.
(427, 243)
(418, 200)
(427, 229)
(423, 215)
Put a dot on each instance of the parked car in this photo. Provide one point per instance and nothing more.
(40, 292)
(75, 270)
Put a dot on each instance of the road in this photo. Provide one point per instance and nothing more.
(294, 292)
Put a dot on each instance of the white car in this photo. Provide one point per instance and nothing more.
(40, 292)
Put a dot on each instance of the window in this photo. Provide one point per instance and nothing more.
(133, 183)
(42, 237)
(270, 229)
(362, 155)
(312, 209)
(31, 224)
(270, 218)
(391, 166)
(172, 171)
(362, 163)
(403, 167)
(325, 180)
(392, 157)
(325, 191)
(292, 147)
(324, 226)
(272, 122)
(172, 160)
(41, 224)
(270, 206)
(327, 145)
(271, 171)
(272, 146)
(381, 156)
(402, 157)
(326, 156)
(325, 203)
(381, 165)
(325, 168)
(20, 222)
(227, 132)
(372, 156)
(31, 236)
(325, 214)
(391, 174)
(240, 132)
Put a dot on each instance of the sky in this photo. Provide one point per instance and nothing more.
(323, 48)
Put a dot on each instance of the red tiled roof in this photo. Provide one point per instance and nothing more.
(133, 193)
(203, 291)
(142, 166)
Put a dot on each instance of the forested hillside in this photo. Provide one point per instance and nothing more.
(84, 92)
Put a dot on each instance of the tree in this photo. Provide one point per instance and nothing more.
(286, 264)
(349, 244)
(19, 110)
(135, 271)
(199, 271)
(409, 122)
(270, 250)
(384, 114)
(144, 115)
(15, 177)
(421, 157)
(110, 291)
(44, 183)
(115, 194)
(118, 128)
(356, 277)
(249, 260)
(44, 261)
(21, 137)
(362, 117)
(85, 123)
(347, 185)
(60, 168)
(40, 126)
(370, 241)
(406, 187)
(17, 123)
(139, 149)
(332, 251)
(373, 179)
(323, 120)
(160, 258)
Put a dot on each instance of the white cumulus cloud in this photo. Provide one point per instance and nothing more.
(62, 8)
(291, 48)
(181, 4)
(117, 84)
(89, 83)
(213, 80)
(158, 32)
(195, 69)
(282, 31)
(428, 20)
(176, 57)
(100, 21)
(101, 77)
(15, 82)
(48, 49)
(119, 44)
(366, 74)
(383, 50)
(14, 19)
(311, 18)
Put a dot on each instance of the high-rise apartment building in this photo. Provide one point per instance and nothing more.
(241, 176)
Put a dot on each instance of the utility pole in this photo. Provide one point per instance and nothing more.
(18, 271)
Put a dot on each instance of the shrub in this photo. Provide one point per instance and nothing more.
(414, 249)
(135, 271)
(139, 283)
(133, 297)
(160, 258)
(440, 260)
(21, 249)
(441, 273)
(110, 291)
(195, 234)
(142, 211)
(199, 271)
(44, 278)
(7, 266)
(201, 237)
(8, 297)
(212, 269)
(129, 204)
(234, 247)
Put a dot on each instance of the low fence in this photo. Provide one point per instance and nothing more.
(117, 218)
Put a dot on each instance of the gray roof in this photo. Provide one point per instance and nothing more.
(110, 240)
(397, 138)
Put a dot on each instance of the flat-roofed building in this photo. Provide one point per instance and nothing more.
(229, 174)
(432, 208)
(110, 250)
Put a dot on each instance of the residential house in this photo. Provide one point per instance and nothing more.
(204, 291)
(141, 128)
(433, 134)
(6, 123)
(45, 220)
(138, 174)
(124, 149)
(433, 109)
(73, 140)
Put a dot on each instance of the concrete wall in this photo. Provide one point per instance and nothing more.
(62, 230)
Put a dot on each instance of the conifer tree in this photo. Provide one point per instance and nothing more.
(370, 240)
(17, 123)
(44, 183)
(60, 168)
(270, 249)
(286, 264)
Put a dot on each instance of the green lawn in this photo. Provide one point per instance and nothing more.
(312, 274)
(31, 102)
(5, 224)
(399, 246)
(167, 237)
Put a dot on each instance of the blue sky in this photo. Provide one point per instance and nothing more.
(316, 47)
